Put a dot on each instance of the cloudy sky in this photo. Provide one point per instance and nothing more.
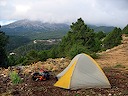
(97, 12)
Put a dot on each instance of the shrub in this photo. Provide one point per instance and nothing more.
(15, 78)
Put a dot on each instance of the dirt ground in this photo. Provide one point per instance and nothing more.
(118, 78)
(114, 63)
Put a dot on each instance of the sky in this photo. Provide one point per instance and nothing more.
(96, 12)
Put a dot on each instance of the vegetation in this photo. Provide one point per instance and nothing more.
(119, 66)
(3, 43)
(23, 50)
(79, 39)
(104, 29)
(100, 35)
(15, 78)
(16, 41)
(125, 30)
(113, 38)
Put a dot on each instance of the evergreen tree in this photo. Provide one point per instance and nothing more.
(113, 38)
(32, 55)
(43, 55)
(77, 49)
(125, 30)
(100, 35)
(79, 35)
(3, 43)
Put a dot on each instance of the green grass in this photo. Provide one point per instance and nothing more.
(15, 78)
(119, 66)
(77, 95)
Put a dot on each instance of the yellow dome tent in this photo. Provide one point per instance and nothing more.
(82, 72)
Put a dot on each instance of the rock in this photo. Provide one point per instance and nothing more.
(26, 84)
(4, 75)
(99, 95)
(109, 94)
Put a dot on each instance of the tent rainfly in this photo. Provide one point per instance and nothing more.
(82, 72)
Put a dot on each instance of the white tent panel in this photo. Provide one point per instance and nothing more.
(87, 74)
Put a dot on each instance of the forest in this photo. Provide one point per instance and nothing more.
(79, 39)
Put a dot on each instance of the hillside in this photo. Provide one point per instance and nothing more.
(114, 63)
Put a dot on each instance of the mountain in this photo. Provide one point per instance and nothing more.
(105, 29)
(36, 29)
(40, 30)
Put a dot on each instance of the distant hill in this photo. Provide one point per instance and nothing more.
(40, 30)
(105, 29)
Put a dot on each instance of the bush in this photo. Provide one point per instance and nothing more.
(15, 78)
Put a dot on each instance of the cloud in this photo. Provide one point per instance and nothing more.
(99, 12)
(5, 22)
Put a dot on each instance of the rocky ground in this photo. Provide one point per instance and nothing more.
(114, 63)
(118, 78)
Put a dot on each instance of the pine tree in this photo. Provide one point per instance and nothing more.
(80, 35)
(125, 30)
(113, 38)
(3, 56)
